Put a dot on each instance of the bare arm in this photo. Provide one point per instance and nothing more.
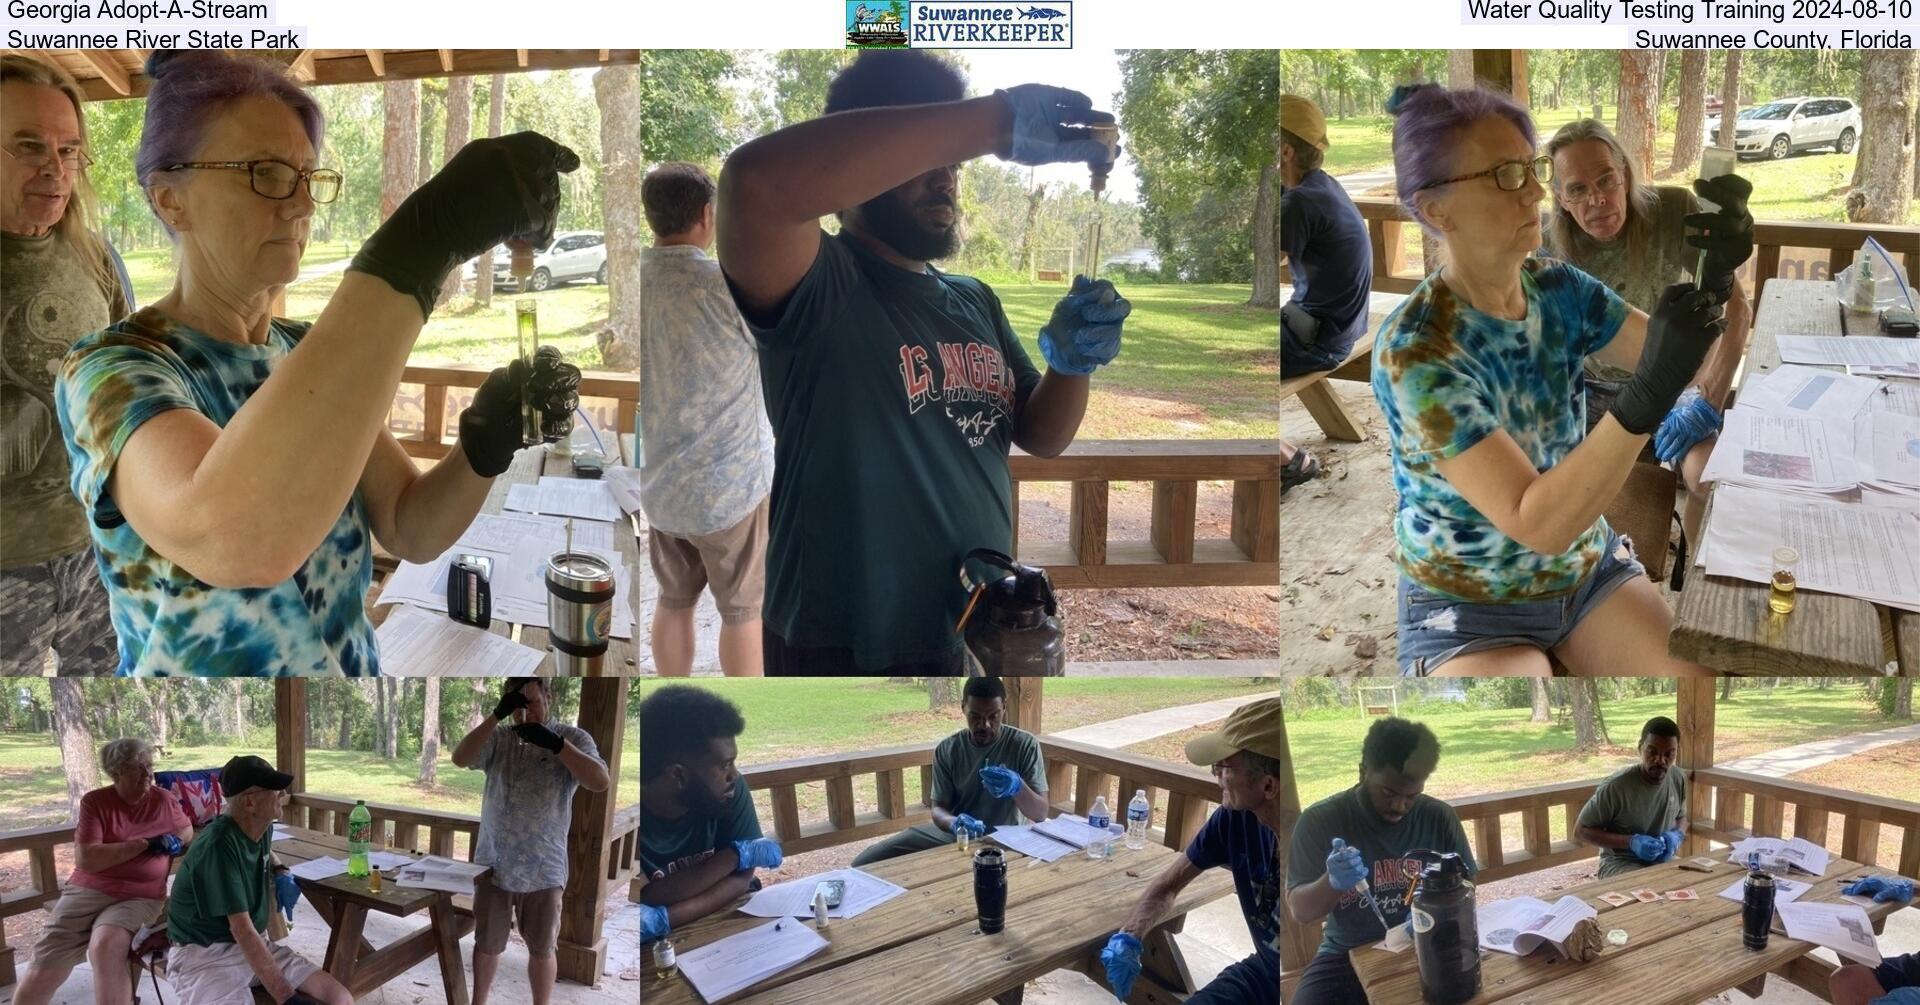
(245, 505)
(1032, 804)
(1717, 371)
(1313, 901)
(259, 957)
(687, 884)
(1157, 902)
(417, 514)
(1051, 414)
(1544, 511)
(943, 816)
(589, 771)
(1602, 838)
(107, 854)
(775, 189)
(466, 753)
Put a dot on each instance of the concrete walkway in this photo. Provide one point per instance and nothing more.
(1117, 733)
(1805, 756)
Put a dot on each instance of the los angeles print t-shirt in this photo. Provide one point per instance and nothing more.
(893, 397)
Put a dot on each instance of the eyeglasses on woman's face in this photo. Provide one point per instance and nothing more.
(1509, 177)
(276, 179)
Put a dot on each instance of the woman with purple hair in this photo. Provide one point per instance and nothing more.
(1504, 554)
(235, 466)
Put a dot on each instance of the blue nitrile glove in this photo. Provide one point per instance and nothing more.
(1883, 889)
(1903, 996)
(1002, 782)
(1049, 126)
(1122, 960)
(166, 844)
(1647, 848)
(1346, 868)
(653, 923)
(1084, 332)
(759, 853)
(1691, 420)
(1672, 839)
(286, 892)
(973, 827)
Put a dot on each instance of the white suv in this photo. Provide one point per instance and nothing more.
(574, 254)
(1778, 128)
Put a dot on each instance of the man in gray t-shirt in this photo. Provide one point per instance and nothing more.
(1638, 816)
(987, 775)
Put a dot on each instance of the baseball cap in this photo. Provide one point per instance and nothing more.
(250, 772)
(1302, 118)
(1254, 726)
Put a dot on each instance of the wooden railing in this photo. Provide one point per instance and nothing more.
(1394, 273)
(425, 417)
(1076, 774)
(43, 882)
(393, 826)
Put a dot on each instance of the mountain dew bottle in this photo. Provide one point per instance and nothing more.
(359, 828)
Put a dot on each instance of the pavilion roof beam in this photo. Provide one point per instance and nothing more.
(520, 57)
(446, 60)
(377, 58)
(302, 66)
(109, 70)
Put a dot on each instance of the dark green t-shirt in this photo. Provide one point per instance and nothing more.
(956, 773)
(1430, 824)
(893, 398)
(224, 872)
(1626, 803)
(670, 845)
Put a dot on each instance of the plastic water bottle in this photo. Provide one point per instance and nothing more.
(1099, 818)
(359, 828)
(1137, 813)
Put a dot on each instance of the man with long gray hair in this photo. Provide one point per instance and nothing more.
(62, 282)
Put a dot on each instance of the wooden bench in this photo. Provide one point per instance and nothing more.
(1322, 403)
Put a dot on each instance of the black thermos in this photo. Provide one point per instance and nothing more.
(1446, 934)
(1756, 914)
(990, 889)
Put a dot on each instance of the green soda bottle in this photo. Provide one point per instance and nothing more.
(359, 828)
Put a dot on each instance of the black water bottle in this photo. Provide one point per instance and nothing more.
(1446, 932)
(1756, 915)
(990, 889)
(1013, 627)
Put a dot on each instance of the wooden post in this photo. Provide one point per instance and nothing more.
(290, 729)
(1298, 942)
(582, 950)
(1024, 703)
(1502, 70)
(1694, 708)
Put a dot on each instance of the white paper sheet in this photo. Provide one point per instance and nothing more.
(1806, 390)
(1031, 843)
(1785, 891)
(1843, 928)
(1520, 925)
(733, 964)
(1782, 451)
(281, 833)
(586, 498)
(434, 872)
(417, 643)
(1902, 396)
(1799, 853)
(1071, 829)
(794, 898)
(624, 482)
(1886, 370)
(319, 868)
(1867, 349)
(1853, 549)
(1888, 448)
(384, 860)
(518, 581)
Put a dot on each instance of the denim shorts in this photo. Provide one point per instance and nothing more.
(1435, 629)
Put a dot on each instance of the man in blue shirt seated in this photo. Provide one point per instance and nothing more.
(1326, 246)
(1243, 835)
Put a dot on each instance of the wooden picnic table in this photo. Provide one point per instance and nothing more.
(1725, 623)
(1677, 952)
(343, 902)
(528, 466)
(926, 948)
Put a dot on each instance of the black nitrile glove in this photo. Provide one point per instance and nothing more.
(490, 430)
(1727, 233)
(498, 189)
(511, 702)
(554, 389)
(1679, 333)
(540, 736)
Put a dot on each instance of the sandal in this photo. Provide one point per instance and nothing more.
(1303, 468)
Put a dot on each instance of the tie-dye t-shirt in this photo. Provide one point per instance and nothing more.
(169, 622)
(1448, 376)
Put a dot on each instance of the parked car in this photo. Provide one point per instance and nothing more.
(574, 254)
(1781, 127)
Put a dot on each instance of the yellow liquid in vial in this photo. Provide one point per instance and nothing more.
(960, 841)
(527, 334)
(1780, 598)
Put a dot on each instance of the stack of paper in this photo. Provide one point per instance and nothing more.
(436, 873)
(1785, 891)
(384, 860)
(1796, 853)
(1523, 924)
(863, 893)
(1783, 450)
(586, 498)
(1031, 843)
(1864, 549)
(738, 962)
(417, 643)
(519, 546)
(319, 868)
(1849, 351)
(1843, 928)
(1073, 831)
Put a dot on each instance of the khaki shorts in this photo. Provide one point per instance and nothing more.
(538, 914)
(63, 943)
(732, 563)
(220, 974)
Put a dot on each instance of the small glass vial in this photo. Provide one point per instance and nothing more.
(1780, 596)
(664, 964)
(526, 317)
(961, 838)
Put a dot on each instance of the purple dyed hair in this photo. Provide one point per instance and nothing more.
(1428, 120)
(192, 86)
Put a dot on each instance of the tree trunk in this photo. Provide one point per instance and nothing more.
(399, 143)
(423, 164)
(459, 129)
(396, 691)
(430, 733)
(1729, 98)
(76, 743)
(1459, 68)
(616, 89)
(1542, 701)
(157, 695)
(481, 706)
(1025, 257)
(1687, 138)
(1726, 688)
(941, 694)
(1902, 697)
(1639, 108)
(1266, 235)
(483, 269)
(1584, 697)
(1889, 87)
(346, 717)
(380, 717)
(239, 711)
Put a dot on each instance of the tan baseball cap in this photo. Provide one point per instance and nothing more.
(1302, 118)
(1254, 726)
